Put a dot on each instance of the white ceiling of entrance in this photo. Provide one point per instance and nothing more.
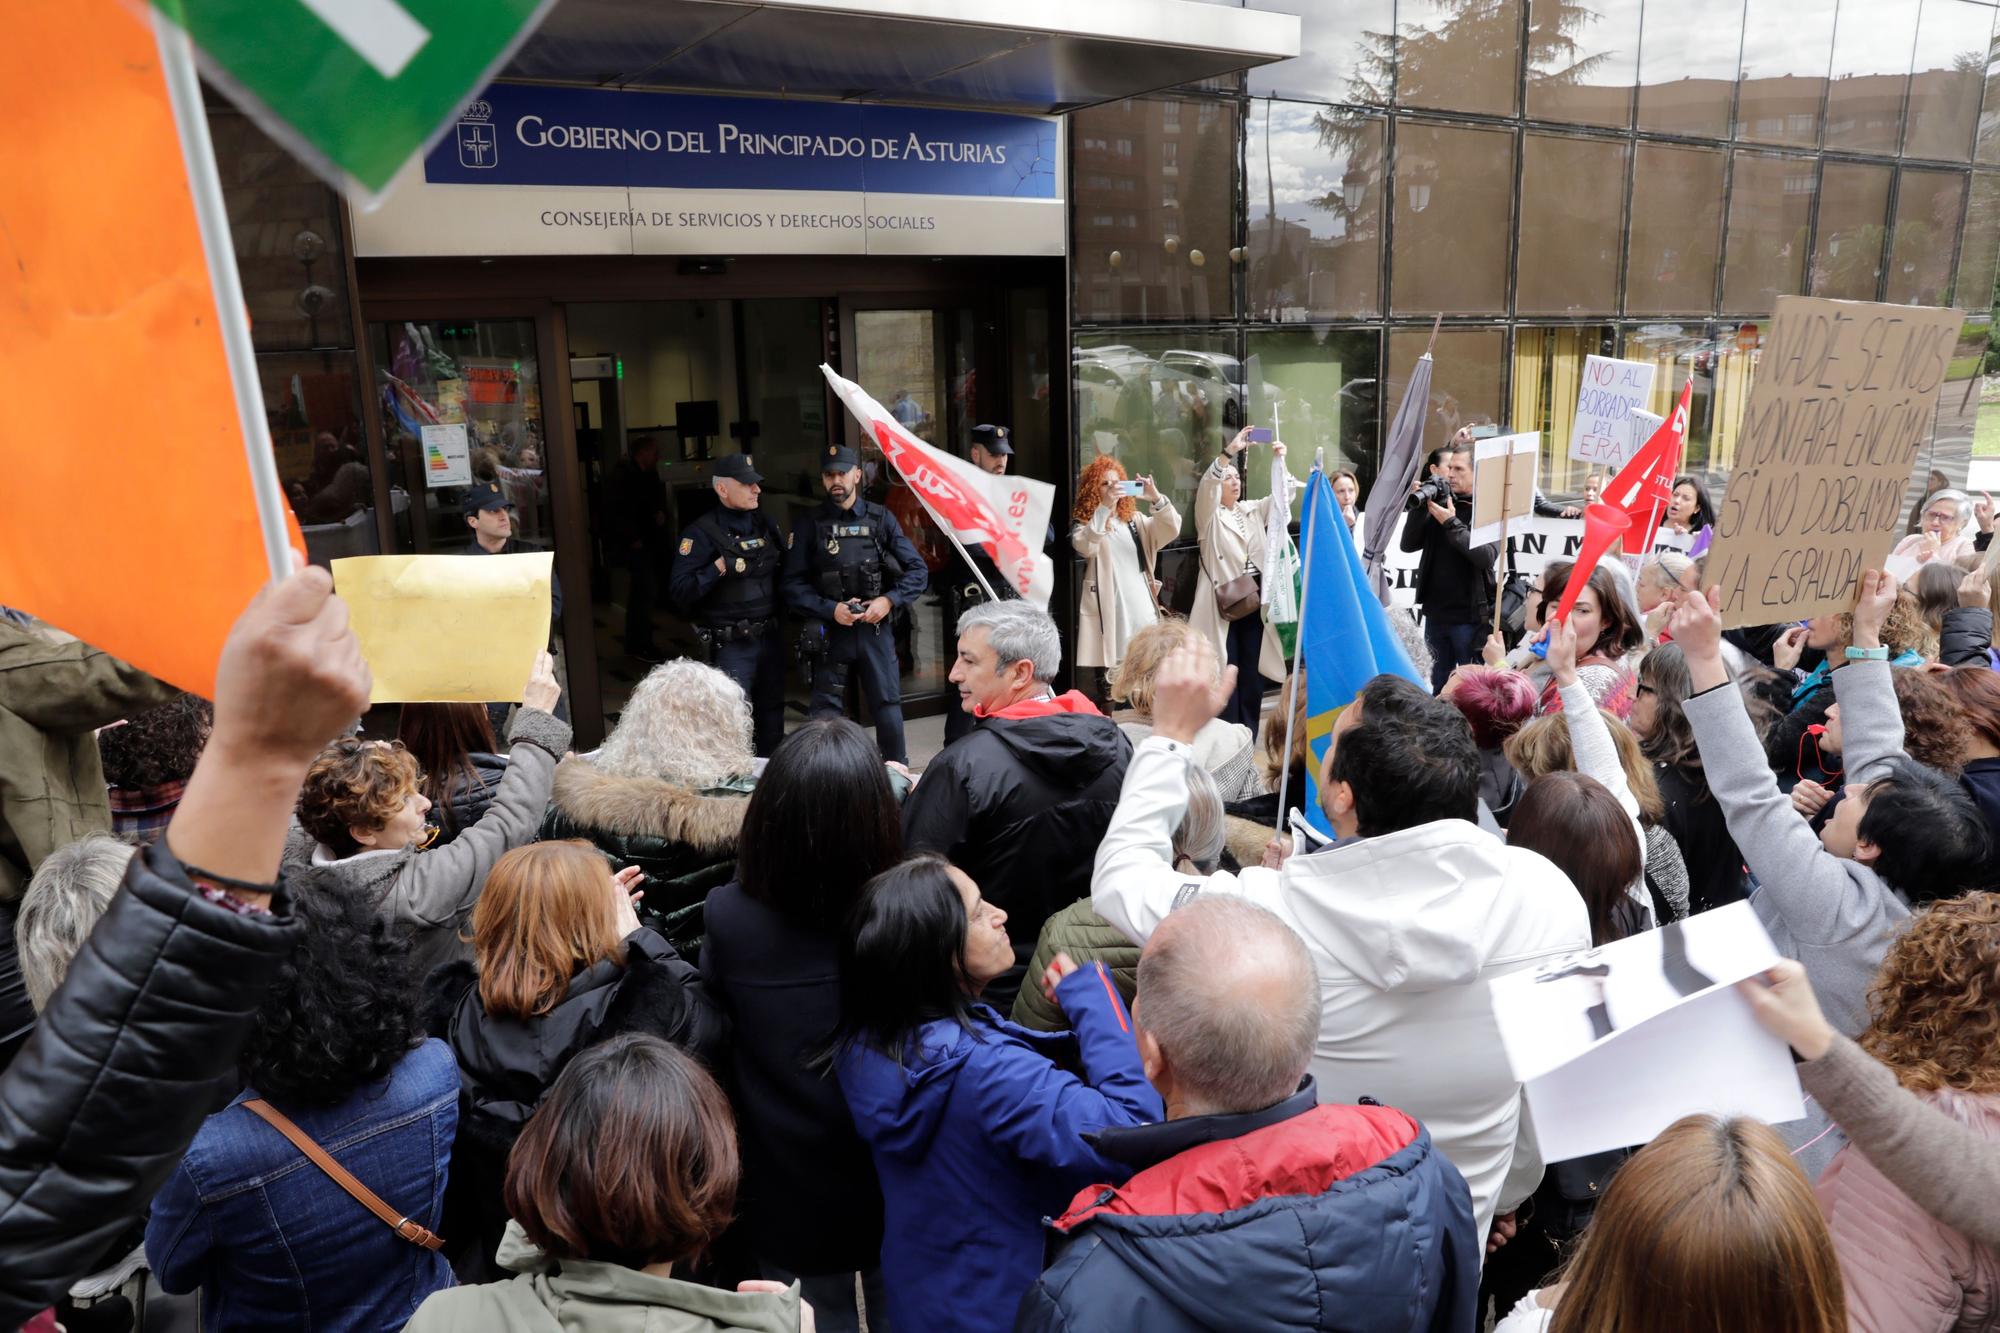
(1026, 55)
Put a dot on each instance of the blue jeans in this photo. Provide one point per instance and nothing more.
(1452, 646)
(1245, 642)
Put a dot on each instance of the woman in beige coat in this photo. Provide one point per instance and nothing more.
(1231, 531)
(1121, 550)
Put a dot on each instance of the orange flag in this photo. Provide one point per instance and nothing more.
(126, 514)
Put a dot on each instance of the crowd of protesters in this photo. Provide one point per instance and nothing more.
(455, 1030)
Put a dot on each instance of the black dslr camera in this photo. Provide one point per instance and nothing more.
(1435, 490)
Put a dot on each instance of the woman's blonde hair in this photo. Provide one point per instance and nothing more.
(1934, 1010)
(1144, 654)
(1710, 1226)
(1270, 750)
(545, 914)
(1543, 747)
(687, 724)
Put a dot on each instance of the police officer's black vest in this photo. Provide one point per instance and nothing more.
(749, 590)
(847, 556)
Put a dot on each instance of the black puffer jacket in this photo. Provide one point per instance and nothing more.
(97, 1108)
(505, 1066)
(468, 801)
(684, 841)
(1020, 805)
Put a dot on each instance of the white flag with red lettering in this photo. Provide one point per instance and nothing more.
(1007, 516)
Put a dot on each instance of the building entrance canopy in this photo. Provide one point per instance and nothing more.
(1044, 56)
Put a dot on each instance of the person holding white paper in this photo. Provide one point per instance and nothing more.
(1903, 834)
(1947, 1167)
(1407, 916)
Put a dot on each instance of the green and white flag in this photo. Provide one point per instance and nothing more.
(354, 87)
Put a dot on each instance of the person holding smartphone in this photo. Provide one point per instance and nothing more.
(1227, 597)
(1120, 594)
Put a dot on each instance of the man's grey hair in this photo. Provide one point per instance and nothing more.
(1202, 832)
(1019, 632)
(69, 892)
(1230, 994)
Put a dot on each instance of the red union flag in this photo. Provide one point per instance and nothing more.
(1644, 486)
(1006, 516)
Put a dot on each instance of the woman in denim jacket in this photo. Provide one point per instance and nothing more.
(268, 1237)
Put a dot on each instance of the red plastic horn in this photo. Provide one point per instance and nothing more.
(1602, 525)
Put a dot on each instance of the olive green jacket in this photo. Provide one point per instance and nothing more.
(552, 1296)
(1084, 936)
(53, 697)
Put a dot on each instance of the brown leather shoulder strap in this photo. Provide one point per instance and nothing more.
(402, 1226)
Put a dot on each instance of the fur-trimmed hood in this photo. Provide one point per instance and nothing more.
(647, 807)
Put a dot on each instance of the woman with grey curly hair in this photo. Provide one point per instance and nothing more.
(666, 793)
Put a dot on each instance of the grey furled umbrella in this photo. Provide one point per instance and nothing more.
(1402, 454)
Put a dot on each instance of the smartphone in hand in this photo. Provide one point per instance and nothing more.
(1132, 488)
(1259, 435)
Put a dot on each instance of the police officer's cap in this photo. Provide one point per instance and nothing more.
(839, 458)
(993, 439)
(486, 495)
(737, 467)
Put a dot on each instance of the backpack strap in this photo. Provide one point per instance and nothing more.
(367, 1198)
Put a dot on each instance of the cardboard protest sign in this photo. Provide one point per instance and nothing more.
(1840, 408)
(448, 628)
(1612, 1045)
(1607, 396)
(1503, 483)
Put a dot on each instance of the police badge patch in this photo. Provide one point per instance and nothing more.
(687, 546)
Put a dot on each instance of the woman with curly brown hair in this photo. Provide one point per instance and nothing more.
(147, 761)
(1934, 1020)
(362, 827)
(1120, 550)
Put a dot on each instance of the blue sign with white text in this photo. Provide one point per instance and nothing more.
(528, 135)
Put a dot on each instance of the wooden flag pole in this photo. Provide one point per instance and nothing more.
(232, 316)
(1436, 324)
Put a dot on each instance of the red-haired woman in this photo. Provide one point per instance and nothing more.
(563, 964)
(1120, 550)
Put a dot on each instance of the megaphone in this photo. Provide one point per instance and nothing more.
(1603, 524)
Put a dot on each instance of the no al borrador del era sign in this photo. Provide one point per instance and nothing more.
(543, 170)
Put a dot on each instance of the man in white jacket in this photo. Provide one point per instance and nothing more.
(1407, 916)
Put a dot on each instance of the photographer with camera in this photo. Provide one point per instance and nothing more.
(1454, 577)
(849, 567)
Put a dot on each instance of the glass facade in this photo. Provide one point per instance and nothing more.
(1553, 178)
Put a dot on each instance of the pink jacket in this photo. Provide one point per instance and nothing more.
(1906, 1272)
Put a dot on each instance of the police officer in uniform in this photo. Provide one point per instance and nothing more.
(849, 568)
(725, 579)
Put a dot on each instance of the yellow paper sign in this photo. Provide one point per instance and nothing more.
(448, 628)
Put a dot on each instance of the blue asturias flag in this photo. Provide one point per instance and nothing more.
(1346, 635)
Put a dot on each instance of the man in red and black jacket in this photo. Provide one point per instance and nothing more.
(1253, 1206)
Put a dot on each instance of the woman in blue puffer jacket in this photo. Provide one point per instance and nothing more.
(977, 1132)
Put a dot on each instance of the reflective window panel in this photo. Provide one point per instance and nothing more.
(1687, 66)
(1583, 61)
(1770, 206)
(1676, 217)
(1314, 182)
(1853, 229)
(1787, 45)
(1453, 205)
(1572, 214)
